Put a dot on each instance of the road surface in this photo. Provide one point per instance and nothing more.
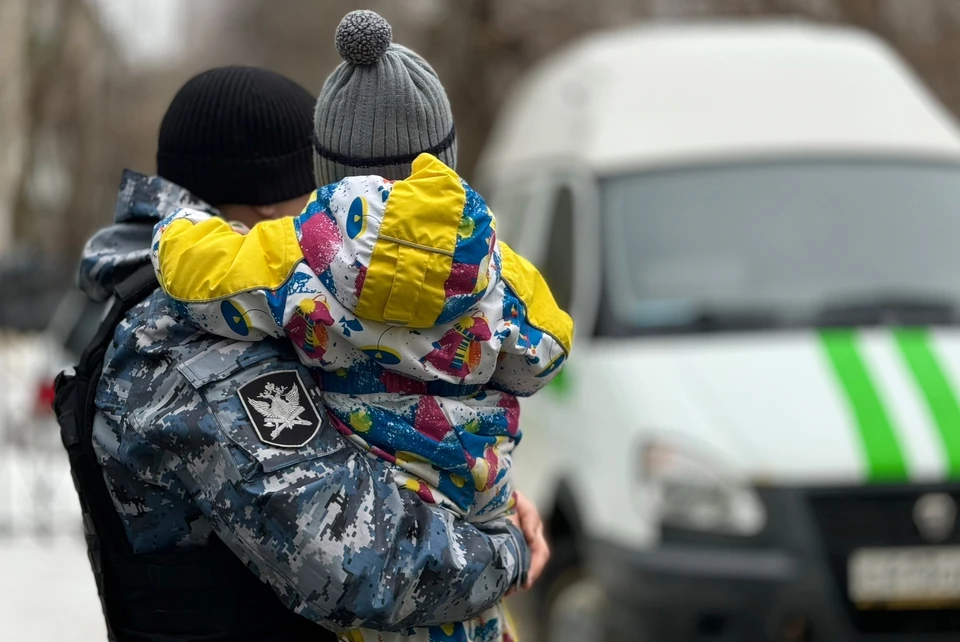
(47, 592)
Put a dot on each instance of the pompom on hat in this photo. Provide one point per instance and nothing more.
(381, 108)
(363, 37)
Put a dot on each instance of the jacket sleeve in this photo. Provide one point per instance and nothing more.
(226, 282)
(537, 334)
(279, 279)
(325, 525)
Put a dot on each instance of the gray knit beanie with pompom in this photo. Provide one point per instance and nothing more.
(381, 108)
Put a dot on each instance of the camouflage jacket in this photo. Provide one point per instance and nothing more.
(185, 443)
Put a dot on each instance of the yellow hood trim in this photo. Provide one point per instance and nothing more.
(413, 255)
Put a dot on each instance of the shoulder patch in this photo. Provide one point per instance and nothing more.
(280, 409)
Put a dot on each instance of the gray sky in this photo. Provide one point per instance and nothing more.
(149, 31)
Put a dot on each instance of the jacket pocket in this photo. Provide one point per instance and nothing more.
(227, 372)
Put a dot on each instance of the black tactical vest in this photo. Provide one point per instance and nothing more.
(201, 593)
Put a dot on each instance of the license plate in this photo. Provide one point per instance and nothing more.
(913, 578)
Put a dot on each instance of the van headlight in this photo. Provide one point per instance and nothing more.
(691, 491)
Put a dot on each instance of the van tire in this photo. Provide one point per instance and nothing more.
(567, 599)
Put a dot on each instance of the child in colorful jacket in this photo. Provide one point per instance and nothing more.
(421, 329)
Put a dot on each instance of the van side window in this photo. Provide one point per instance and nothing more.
(558, 265)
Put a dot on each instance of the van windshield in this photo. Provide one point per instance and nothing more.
(822, 242)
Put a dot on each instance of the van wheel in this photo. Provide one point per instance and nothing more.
(572, 605)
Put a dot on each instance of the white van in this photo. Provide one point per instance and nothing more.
(757, 230)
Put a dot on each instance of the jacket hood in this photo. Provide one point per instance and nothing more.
(116, 252)
(417, 253)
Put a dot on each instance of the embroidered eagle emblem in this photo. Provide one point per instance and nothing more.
(280, 413)
(284, 410)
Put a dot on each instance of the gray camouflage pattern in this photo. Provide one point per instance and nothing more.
(324, 525)
(116, 252)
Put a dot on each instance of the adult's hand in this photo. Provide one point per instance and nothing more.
(527, 519)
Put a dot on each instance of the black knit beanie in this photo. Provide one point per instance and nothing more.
(239, 135)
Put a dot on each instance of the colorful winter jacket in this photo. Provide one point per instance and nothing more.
(420, 326)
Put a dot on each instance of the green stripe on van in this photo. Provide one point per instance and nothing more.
(917, 351)
(560, 384)
(885, 462)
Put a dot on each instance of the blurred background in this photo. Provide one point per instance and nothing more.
(84, 86)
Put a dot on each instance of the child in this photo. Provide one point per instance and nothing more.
(419, 326)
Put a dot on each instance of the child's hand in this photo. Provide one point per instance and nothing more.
(527, 519)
